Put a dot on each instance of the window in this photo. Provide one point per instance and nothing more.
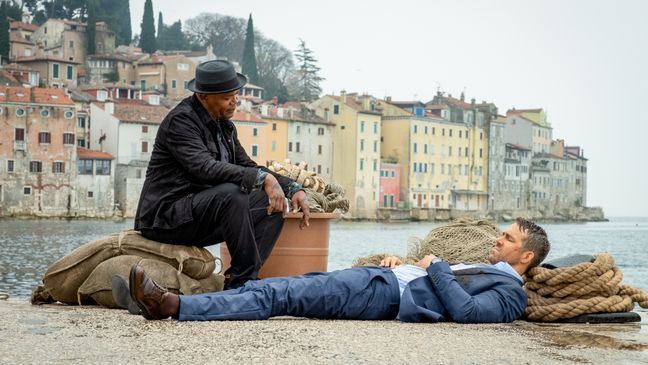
(415, 128)
(186, 82)
(55, 70)
(68, 138)
(183, 66)
(298, 130)
(289, 146)
(336, 109)
(44, 113)
(27, 190)
(58, 167)
(44, 137)
(68, 114)
(19, 134)
(20, 112)
(70, 72)
(481, 135)
(449, 150)
(255, 150)
(84, 167)
(255, 132)
(442, 169)
(274, 145)
(432, 168)
(480, 153)
(103, 167)
(90, 194)
(362, 126)
(174, 84)
(466, 152)
(81, 122)
(320, 131)
(443, 132)
(319, 169)
(361, 164)
(143, 85)
(319, 149)
(362, 145)
(393, 173)
(297, 147)
(81, 142)
(375, 129)
(10, 165)
(414, 166)
(35, 166)
(414, 146)
(375, 165)
(425, 129)
(433, 131)
(144, 146)
(274, 126)
(144, 129)
(102, 95)
(460, 134)
(450, 132)
(375, 146)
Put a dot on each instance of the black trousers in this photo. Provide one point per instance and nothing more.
(224, 213)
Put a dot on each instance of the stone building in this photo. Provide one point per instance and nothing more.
(517, 167)
(496, 155)
(37, 152)
(95, 183)
(54, 71)
(529, 128)
(66, 39)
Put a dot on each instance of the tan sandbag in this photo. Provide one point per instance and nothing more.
(65, 276)
(195, 262)
(97, 289)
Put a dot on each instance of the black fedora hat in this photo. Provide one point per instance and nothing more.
(215, 77)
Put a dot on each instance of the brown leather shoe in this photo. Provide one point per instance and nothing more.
(152, 299)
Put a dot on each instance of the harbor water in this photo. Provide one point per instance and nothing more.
(28, 247)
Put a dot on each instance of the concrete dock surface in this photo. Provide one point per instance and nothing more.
(60, 334)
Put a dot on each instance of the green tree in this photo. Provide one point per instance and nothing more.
(174, 39)
(308, 79)
(91, 30)
(4, 32)
(147, 35)
(160, 32)
(14, 11)
(125, 30)
(248, 62)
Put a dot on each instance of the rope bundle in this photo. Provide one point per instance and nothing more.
(590, 287)
(322, 197)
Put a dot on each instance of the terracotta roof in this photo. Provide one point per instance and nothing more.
(351, 102)
(17, 67)
(21, 25)
(45, 59)
(519, 111)
(34, 95)
(8, 79)
(246, 117)
(159, 59)
(84, 153)
(518, 147)
(138, 113)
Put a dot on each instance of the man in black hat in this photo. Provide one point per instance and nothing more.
(201, 187)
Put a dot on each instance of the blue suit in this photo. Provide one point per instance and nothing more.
(473, 295)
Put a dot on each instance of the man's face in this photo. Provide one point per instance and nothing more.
(220, 105)
(509, 246)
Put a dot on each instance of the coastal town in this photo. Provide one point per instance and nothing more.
(78, 127)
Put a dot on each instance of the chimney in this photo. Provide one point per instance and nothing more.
(343, 96)
(472, 101)
(462, 97)
(366, 102)
(110, 108)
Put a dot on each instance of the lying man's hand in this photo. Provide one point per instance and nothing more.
(276, 197)
(425, 262)
(299, 200)
(391, 262)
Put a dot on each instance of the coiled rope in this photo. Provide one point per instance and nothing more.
(4, 296)
(590, 287)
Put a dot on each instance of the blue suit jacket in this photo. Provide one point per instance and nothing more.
(475, 295)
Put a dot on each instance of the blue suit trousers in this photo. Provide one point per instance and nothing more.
(359, 293)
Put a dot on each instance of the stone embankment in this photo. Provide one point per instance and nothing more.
(60, 334)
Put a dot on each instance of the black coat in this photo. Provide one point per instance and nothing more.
(186, 160)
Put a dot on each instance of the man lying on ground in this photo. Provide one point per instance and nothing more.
(429, 291)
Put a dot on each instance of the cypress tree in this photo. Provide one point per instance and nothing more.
(147, 36)
(4, 32)
(248, 63)
(91, 31)
(160, 32)
(125, 31)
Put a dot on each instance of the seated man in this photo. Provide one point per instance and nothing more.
(430, 291)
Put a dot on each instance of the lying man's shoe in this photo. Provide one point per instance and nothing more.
(154, 301)
(121, 294)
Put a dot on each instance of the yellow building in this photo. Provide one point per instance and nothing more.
(356, 148)
(252, 133)
(277, 138)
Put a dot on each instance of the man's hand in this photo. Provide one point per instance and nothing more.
(425, 262)
(299, 200)
(391, 262)
(276, 197)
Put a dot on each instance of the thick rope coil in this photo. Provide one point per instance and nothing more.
(322, 197)
(591, 287)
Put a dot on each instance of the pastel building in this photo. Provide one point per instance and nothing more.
(389, 185)
(529, 128)
(252, 133)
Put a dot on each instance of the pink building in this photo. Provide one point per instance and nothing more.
(389, 185)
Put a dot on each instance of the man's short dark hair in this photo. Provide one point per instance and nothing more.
(536, 240)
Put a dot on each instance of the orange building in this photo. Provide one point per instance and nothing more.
(253, 135)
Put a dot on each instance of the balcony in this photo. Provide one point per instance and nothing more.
(19, 145)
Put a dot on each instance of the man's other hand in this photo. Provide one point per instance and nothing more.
(276, 197)
(300, 201)
(391, 262)
(425, 262)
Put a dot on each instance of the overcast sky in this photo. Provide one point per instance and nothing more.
(584, 62)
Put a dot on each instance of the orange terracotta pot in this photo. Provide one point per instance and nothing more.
(296, 251)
